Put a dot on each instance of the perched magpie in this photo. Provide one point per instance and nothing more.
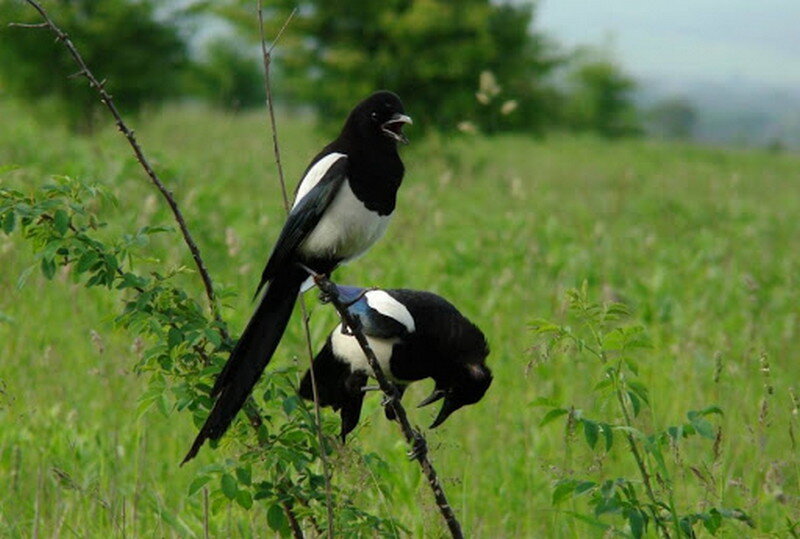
(414, 335)
(341, 207)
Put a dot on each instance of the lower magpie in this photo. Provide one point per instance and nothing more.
(414, 335)
(341, 207)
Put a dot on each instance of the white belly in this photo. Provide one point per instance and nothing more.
(347, 228)
(346, 348)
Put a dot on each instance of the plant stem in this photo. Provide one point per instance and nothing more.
(267, 58)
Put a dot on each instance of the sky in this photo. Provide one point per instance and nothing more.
(686, 41)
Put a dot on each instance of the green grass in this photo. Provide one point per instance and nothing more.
(702, 243)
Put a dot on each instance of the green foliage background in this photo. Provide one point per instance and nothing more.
(434, 53)
(699, 243)
(142, 56)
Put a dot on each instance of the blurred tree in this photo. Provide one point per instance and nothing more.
(673, 118)
(229, 75)
(141, 55)
(600, 97)
(431, 52)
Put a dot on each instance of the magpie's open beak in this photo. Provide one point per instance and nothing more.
(394, 127)
(433, 397)
(448, 407)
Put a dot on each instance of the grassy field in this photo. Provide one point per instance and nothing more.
(702, 244)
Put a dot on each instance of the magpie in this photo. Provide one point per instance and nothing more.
(414, 335)
(341, 207)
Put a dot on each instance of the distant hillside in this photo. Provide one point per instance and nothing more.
(735, 112)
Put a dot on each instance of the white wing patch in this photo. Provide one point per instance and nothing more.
(346, 348)
(315, 174)
(388, 306)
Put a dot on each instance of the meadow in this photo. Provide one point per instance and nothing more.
(700, 243)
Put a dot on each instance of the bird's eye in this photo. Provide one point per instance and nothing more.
(374, 116)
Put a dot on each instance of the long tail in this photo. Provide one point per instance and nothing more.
(250, 356)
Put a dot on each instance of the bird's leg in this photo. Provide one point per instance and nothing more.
(325, 297)
(370, 388)
(346, 329)
(389, 410)
(419, 447)
(308, 270)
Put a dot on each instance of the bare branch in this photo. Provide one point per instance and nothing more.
(413, 437)
(108, 101)
(267, 57)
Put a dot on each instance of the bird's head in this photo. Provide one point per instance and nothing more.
(381, 116)
(467, 386)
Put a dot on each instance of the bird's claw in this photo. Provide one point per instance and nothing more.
(419, 447)
(388, 400)
(325, 297)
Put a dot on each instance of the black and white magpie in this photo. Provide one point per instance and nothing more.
(341, 207)
(414, 335)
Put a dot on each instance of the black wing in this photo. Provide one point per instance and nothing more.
(304, 217)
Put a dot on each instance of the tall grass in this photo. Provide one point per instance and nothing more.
(700, 243)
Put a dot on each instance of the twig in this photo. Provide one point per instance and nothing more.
(267, 57)
(108, 101)
(297, 532)
(413, 437)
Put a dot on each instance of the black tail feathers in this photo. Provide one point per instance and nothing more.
(250, 356)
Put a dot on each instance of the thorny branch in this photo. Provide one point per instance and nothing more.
(108, 101)
(413, 436)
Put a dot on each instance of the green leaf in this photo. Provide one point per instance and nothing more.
(174, 337)
(590, 431)
(703, 428)
(552, 415)
(608, 433)
(198, 483)
(676, 433)
(48, 267)
(636, 523)
(564, 489)
(634, 368)
(618, 309)
(712, 521)
(584, 486)
(640, 389)
(229, 487)
(635, 403)
(290, 404)
(244, 499)
(602, 384)
(713, 409)
(277, 519)
(542, 401)
(86, 260)
(244, 475)
(61, 222)
(9, 220)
